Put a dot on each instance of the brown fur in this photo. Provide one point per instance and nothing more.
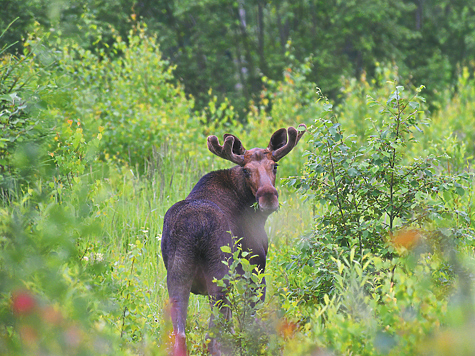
(220, 206)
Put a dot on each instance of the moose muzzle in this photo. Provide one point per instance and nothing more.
(268, 199)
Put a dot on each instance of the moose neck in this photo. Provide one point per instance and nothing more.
(231, 193)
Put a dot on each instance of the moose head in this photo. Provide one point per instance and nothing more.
(259, 166)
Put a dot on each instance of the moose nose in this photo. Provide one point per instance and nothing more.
(268, 199)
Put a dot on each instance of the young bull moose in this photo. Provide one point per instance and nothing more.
(220, 206)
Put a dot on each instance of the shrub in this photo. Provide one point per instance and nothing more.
(130, 97)
(244, 333)
(47, 296)
(371, 190)
(380, 307)
(22, 93)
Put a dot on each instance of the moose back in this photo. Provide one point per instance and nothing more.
(220, 206)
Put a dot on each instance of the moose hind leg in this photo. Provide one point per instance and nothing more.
(179, 294)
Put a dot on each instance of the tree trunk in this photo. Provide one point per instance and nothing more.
(260, 17)
(251, 73)
(419, 13)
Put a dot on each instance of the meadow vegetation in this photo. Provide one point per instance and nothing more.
(371, 253)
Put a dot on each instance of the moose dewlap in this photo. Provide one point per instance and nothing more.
(221, 205)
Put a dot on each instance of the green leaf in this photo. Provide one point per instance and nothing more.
(307, 269)
(370, 101)
(352, 172)
(319, 168)
(420, 88)
(332, 129)
(226, 249)
(460, 191)
(414, 104)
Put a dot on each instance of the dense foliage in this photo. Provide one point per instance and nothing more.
(233, 46)
(372, 254)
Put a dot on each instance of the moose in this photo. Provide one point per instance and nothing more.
(222, 205)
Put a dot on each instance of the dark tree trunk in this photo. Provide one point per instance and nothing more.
(260, 17)
(419, 13)
(252, 80)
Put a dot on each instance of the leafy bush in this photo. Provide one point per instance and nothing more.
(22, 94)
(243, 333)
(381, 307)
(56, 292)
(45, 289)
(128, 96)
(371, 190)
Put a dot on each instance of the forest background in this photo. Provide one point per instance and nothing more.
(105, 108)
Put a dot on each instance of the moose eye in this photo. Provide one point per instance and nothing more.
(275, 167)
(246, 172)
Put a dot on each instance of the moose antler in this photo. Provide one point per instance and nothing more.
(226, 150)
(294, 136)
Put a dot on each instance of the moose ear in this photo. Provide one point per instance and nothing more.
(278, 140)
(238, 148)
(278, 143)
